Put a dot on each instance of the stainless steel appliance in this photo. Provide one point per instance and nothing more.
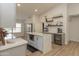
(58, 39)
(44, 27)
(29, 27)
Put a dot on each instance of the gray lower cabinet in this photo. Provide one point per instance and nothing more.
(39, 43)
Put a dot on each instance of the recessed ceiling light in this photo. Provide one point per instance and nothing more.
(18, 4)
(36, 10)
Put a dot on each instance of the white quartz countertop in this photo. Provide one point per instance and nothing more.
(42, 33)
(35, 33)
(13, 43)
(52, 33)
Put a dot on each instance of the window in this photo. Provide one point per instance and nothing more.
(14, 30)
(17, 28)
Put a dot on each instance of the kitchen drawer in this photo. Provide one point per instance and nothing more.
(31, 43)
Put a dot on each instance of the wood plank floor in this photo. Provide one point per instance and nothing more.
(72, 49)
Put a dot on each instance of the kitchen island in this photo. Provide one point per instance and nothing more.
(14, 47)
(40, 41)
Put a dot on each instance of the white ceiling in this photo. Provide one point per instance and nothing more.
(27, 9)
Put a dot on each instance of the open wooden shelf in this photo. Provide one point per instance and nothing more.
(54, 25)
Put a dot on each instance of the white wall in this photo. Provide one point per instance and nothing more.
(73, 9)
(74, 28)
(59, 10)
(36, 22)
(7, 14)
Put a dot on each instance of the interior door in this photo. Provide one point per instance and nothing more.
(74, 28)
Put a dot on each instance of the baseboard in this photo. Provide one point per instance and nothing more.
(75, 40)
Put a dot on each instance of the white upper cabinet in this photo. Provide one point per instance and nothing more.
(7, 15)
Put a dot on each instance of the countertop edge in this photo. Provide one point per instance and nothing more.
(12, 45)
